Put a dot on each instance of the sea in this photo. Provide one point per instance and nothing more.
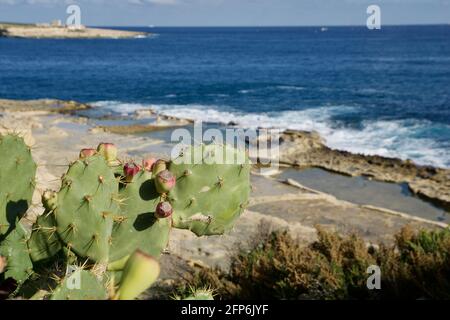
(384, 92)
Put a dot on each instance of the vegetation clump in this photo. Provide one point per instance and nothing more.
(416, 266)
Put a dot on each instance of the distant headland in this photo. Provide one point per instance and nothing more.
(56, 30)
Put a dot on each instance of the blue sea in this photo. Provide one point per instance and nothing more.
(383, 92)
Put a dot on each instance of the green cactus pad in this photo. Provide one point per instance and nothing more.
(200, 295)
(17, 180)
(209, 197)
(137, 227)
(80, 285)
(40, 295)
(14, 248)
(44, 242)
(86, 208)
(140, 272)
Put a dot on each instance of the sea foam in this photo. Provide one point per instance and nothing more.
(393, 138)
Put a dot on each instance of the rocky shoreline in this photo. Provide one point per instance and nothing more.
(297, 149)
(56, 139)
(59, 32)
(49, 105)
(307, 149)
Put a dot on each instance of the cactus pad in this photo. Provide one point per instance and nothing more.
(44, 242)
(140, 272)
(14, 249)
(200, 295)
(136, 227)
(208, 196)
(80, 285)
(86, 208)
(17, 180)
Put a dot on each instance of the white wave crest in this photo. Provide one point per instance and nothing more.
(384, 138)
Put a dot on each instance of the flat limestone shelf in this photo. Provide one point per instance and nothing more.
(362, 191)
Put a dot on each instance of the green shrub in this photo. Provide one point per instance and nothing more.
(417, 266)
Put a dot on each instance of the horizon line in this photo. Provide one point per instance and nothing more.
(272, 26)
(249, 26)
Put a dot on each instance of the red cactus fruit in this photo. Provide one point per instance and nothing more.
(165, 181)
(130, 170)
(86, 153)
(163, 210)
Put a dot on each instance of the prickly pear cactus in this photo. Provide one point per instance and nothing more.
(86, 208)
(136, 226)
(14, 249)
(91, 217)
(118, 223)
(17, 181)
(80, 285)
(209, 195)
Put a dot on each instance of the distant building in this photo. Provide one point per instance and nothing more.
(56, 23)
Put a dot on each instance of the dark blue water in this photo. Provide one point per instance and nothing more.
(381, 92)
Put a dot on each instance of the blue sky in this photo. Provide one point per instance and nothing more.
(227, 12)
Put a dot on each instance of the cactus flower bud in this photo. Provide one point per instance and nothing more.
(49, 200)
(159, 166)
(165, 181)
(108, 151)
(130, 170)
(163, 210)
(148, 163)
(86, 153)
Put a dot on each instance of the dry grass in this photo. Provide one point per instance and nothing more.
(334, 267)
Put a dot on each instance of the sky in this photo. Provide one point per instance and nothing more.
(227, 12)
